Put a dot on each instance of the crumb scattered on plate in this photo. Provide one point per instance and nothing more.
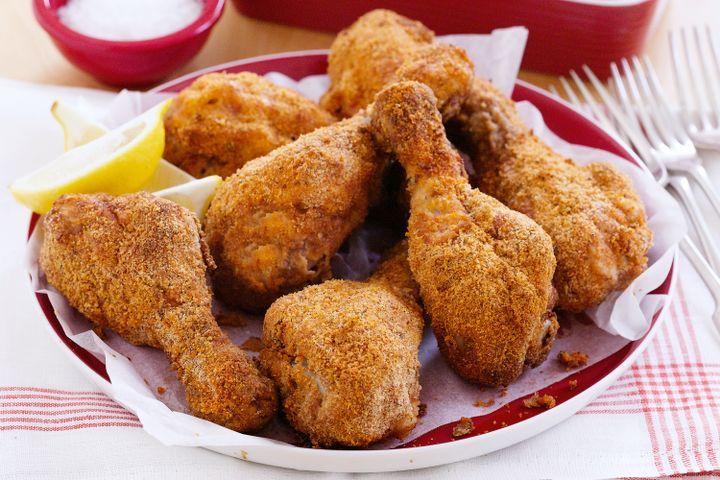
(572, 359)
(463, 427)
(161, 390)
(484, 403)
(540, 401)
(503, 392)
(572, 384)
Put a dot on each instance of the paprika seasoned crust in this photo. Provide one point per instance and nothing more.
(137, 264)
(383, 47)
(273, 226)
(592, 213)
(345, 356)
(224, 120)
(484, 270)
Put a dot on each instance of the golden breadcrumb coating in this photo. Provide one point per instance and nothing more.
(345, 356)
(137, 264)
(223, 120)
(484, 270)
(381, 48)
(274, 225)
(592, 213)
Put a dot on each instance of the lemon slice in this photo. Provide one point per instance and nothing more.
(195, 195)
(120, 161)
(80, 129)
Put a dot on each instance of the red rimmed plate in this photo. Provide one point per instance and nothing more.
(436, 446)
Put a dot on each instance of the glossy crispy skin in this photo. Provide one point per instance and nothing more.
(345, 356)
(382, 47)
(223, 120)
(274, 225)
(594, 217)
(137, 264)
(484, 270)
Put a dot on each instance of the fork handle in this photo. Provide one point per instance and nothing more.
(706, 273)
(700, 175)
(681, 185)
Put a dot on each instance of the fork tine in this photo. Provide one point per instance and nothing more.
(599, 116)
(696, 87)
(590, 102)
(640, 107)
(636, 136)
(613, 88)
(655, 103)
(665, 110)
(572, 97)
(619, 84)
(713, 72)
(706, 87)
(681, 83)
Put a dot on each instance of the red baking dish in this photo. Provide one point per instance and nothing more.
(564, 34)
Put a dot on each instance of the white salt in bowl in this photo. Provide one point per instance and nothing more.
(133, 63)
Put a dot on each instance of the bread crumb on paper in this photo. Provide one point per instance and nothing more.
(572, 384)
(463, 427)
(572, 359)
(503, 392)
(540, 401)
(484, 403)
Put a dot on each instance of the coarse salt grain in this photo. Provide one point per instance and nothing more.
(129, 20)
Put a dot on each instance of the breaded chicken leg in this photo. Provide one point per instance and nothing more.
(484, 270)
(593, 215)
(382, 47)
(137, 264)
(223, 120)
(345, 356)
(274, 225)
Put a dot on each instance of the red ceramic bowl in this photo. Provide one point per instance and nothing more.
(131, 63)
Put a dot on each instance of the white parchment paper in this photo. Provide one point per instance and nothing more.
(143, 382)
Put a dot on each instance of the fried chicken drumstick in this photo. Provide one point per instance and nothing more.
(345, 356)
(274, 225)
(593, 215)
(382, 47)
(137, 264)
(223, 120)
(484, 270)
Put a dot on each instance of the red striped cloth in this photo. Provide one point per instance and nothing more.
(677, 390)
(53, 410)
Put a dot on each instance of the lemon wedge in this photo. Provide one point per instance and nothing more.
(168, 181)
(120, 161)
(195, 195)
(79, 129)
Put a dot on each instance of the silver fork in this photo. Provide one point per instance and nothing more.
(620, 122)
(646, 103)
(696, 70)
(658, 137)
